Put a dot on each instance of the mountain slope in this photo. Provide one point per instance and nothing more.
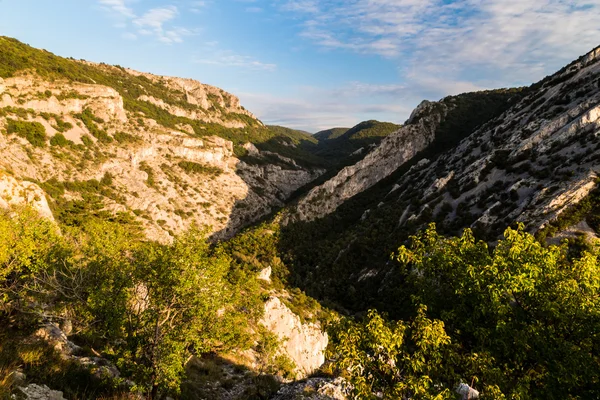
(164, 153)
(435, 126)
(342, 145)
(529, 163)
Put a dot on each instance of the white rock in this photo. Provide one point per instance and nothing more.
(14, 192)
(265, 274)
(304, 343)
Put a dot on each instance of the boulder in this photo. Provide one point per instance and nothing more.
(39, 392)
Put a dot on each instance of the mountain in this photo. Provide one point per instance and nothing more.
(432, 125)
(348, 145)
(483, 160)
(330, 134)
(328, 259)
(164, 152)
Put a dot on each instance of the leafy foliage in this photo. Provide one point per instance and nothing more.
(519, 321)
(393, 360)
(144, 305)
(34, 132)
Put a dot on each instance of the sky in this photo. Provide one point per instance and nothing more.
(317, 64)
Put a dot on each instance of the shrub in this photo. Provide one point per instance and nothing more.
(34, 132)
(59, 140)
(192, 167)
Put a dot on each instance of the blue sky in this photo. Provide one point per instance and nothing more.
(315, 64)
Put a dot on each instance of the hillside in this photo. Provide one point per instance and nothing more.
(432, 127)
(165, 153)
(530, 160)
(346, 146)
(158, 241)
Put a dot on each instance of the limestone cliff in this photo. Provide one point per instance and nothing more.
(391, 153)
(84, 144)
(303, 343)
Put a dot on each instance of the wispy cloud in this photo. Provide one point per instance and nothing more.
(501, 38)
(231, 59)
(314, 109)
(198, 5)
(119, 7)
(156, 22)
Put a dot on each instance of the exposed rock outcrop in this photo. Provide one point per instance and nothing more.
(382, 161)
(171, 179)
(314, 389)
(304, 343)
(39, 392)
(14, 192)
(213, 104)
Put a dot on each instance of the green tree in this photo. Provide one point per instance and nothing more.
(526, 315)
(394, 359)
(27, 247)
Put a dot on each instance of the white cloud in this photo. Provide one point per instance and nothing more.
(156, 17)
(230, 59)
(501, 40)
(155, 22)
(314, 109)
(197, 6)
(118, 6)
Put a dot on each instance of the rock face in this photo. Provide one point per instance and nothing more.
(391, 153)
(303, 343)
(214, 103)
(529, 164)
(169, 178)
(15, 193)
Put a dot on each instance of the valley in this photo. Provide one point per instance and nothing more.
(157, 240)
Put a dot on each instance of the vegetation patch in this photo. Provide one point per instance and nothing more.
(89, 120)
(196, 168)
(34, 132)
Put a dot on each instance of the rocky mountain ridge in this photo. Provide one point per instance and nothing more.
(390, 154)
(532, 161)
(67, 136)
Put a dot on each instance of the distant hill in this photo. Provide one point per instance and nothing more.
(329, 134)
(337, 144)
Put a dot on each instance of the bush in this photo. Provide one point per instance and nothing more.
(34, 132)
(192, 167)
(60, 140)
(89, 120)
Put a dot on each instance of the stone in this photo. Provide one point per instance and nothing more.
(52, 334)
(315, 389)
(265, 274)
(40, 392)
(14, 192)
